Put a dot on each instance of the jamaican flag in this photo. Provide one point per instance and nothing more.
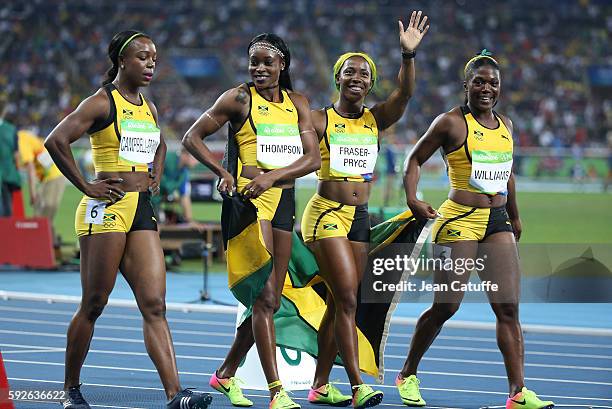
(249, 263)
(303, 300)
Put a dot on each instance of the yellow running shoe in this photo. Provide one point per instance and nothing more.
(283, 401)
(409, 391)
(366, 397)
(229, 387)
(527, 399)
(328, 394)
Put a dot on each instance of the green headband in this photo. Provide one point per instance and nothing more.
(342, 59)
(126, 42)
(483, 54)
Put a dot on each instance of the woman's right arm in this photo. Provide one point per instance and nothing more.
(434, 138)
(232, 105)
(71, 128)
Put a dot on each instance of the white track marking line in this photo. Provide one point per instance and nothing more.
(209, 358)
(231, 325)
(136, 317)
(121, 368)
(92, 405)
(196, 344)
(341, 383)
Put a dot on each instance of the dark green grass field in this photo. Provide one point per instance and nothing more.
(546, 217)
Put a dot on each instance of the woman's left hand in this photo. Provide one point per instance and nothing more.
(411, 37)
(258, 185)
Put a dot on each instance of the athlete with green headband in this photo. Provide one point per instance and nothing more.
(479, 219)
(115, 221)
(336, 224)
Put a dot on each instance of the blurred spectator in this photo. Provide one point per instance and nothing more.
(544, 55)
(10, 180)
(45, 180)
(176, 185)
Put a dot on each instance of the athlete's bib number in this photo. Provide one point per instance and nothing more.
(352, 154)
(491, 171)
(139, 142)
(95, 211)
(278, 145)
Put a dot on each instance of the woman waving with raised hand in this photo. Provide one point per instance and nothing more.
(336, 224)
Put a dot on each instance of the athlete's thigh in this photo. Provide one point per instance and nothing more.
(100, 258)
(268, 237)
(336, 264)
(453, 258)
(502, 268)
(282, 253)
(143, 263)
(360, 254)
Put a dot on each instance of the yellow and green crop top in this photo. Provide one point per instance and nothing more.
(349, 147)
(483, 163)
(125, 141)
(269, 138)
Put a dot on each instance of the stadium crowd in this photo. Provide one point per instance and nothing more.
(53, 54)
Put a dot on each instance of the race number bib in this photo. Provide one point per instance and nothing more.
(278, 145)
(139, 142)
(95, 211)
(491, 171)
(352, 154)
(45, 160)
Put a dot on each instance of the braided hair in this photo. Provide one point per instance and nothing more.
(285, 79)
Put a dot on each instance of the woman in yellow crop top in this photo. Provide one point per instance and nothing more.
(115, 221)
(270, 126)
(479, 219)
(335, 224)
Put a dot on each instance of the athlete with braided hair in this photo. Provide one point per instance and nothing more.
(271, 129)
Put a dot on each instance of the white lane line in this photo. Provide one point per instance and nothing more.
(33, 351)
(495, 350)
(136, 317)
(110, 339)
(426, 358)
(232, 310)
(92, 405)
(340, 383)
(120, 368)
(115, 327)
(231, 325)
(196, 344)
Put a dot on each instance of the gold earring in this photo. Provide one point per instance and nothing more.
(123, 67)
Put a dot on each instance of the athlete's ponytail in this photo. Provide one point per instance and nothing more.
(115, 49)
(277, 43)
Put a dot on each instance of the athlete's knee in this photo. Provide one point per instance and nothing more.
(153, 308)
(346, 302)
(506, 312)
(442, 312)
(266, 303)
(93, 305)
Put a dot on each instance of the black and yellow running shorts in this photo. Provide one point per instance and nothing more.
(133, 212)
(325, 218)
(459, 222)
(275, 204)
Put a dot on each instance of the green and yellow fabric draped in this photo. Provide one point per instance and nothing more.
(303, 300)
(249, 263)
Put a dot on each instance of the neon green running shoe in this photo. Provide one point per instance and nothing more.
(283, 401)
(366, 397)
(229, 387)
(527, 399)
(409, 391)
(328, 394)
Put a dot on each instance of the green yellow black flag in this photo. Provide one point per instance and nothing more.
(303, 300)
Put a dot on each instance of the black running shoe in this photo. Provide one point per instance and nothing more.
(188, 399)
(75, 400)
